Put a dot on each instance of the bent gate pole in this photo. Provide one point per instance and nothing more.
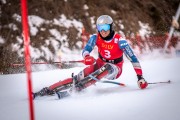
(171, 31)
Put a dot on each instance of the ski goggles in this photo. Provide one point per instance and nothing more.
(104, 27)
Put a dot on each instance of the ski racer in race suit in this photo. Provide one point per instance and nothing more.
(111, 47)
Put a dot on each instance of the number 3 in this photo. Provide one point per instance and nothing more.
(107, 53)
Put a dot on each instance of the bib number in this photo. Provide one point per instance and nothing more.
(107, 53)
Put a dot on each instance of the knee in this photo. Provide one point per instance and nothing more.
(113, 72)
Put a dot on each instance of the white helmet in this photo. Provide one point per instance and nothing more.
(104, 22)
(104, 19)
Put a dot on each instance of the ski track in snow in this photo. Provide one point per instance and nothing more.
(101, 101)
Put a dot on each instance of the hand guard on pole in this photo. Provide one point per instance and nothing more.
(141, 82)
(89, 60)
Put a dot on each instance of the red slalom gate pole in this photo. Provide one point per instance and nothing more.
(27, 55)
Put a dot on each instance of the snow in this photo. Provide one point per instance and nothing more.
(100, 102)
(63, 21)
(145, 29)
(35, 24)
(1, 40)
(85, 7)
(3, 1)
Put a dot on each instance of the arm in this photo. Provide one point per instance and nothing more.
(137, 67)
(89, 60)
(131, 56)
(89, 46)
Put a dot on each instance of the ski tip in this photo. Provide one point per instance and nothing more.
(121, 84)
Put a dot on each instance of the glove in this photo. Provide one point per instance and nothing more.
(89, 60)
(141, 82)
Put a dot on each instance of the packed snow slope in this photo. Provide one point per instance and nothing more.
(99, 102)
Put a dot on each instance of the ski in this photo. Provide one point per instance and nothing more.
(106, 81)
(41, 93)
(36, 95)
(66, 89)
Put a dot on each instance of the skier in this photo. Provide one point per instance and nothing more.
(111, 47)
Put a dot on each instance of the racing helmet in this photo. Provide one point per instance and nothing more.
(104, 22)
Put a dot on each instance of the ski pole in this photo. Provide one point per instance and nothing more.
(160, 82)
(113, 82)
(106, 81)
(73, 61)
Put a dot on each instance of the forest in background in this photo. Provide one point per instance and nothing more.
(158, 14)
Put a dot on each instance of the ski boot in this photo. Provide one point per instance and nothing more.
(43, 92)
(62, 94)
